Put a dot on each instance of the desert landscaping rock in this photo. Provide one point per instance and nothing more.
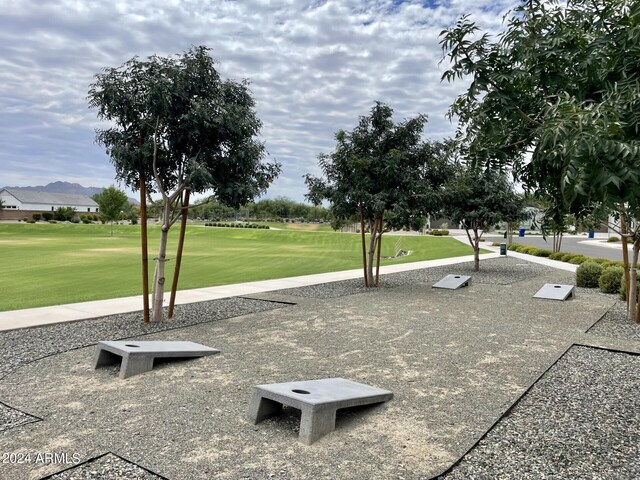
(106, 467)
(456, 361)
(10, 418)
(615, 324)
(581, 420)
(18, 347)
(495, 271)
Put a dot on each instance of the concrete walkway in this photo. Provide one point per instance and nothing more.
(33, 317)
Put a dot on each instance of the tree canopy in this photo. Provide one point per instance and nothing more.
(384, 171)
(177, 124)
(479, 199)
(112, 203)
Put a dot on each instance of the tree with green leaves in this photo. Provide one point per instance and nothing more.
(384, 173)
(478, 199)
(1, 204)
(111, 204)
(556, 97)
(179, 126)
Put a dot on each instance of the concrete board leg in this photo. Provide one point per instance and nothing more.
(102, 358)
(316, 423)
(262, 408)
(135, 364)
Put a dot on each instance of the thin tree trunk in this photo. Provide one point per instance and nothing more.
(476, 251)
(379, 249)
(633, 290)
(364, 248)
(159, 279)
(625, 257)
(145, 251)
(373, 232)
(176, 271)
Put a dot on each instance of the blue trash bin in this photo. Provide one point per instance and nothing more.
(592, 234)
(521, 233)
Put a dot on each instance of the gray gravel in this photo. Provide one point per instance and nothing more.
(496, 271)
(19, 347)
(615, 324)
(581, 420)
(107, 467)
(10, 418)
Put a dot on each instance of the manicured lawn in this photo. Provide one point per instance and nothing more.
(52, 264)
(299, 227)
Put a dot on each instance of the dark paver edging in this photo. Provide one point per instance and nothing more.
(30, 418)
(508, 411)
(73, 467)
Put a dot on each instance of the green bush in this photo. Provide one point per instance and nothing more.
(36, 217)
(613, 238)
(601, 261)
(611, 279)
(31, 221)
(623, 288)
(566, 257)
(579, 259)
(495, 244)
(542, 252)
(47, 216)
(556, 256)
(513, 247)
(588, 275)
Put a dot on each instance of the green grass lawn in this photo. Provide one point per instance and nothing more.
(52, 264)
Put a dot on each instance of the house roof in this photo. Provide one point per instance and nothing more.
(62, 199)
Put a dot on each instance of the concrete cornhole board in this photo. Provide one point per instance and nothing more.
(552, 291)
(453, 282)
(318, 400)
(137, 357)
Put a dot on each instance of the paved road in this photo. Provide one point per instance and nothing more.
(569, 245)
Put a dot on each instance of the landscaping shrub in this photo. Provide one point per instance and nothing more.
(613, 238)
(623, 288)
(513, 247)
(588, 275)
(47, 216)
(31, 221)
(566, 257)
(611, 279)
(52, 221)
(495, 244)
(556, 256)
(601, 261)
(542, 252)
(579, 259)
(25, 219)
(36, 217)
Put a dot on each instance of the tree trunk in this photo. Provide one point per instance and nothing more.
(364, 248)
(176, 271)
(379, 249)
(633, 290)
(476, 250)
(625, 257)
(145, 253)
(159, 279)
(373, 232)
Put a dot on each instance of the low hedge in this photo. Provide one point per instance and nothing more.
(588, 275)
(611, 279)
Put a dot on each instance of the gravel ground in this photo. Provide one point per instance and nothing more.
(106, 467)
(581, 420)
(496, 271)
(615, 324)
(10, 417)
(18, 347)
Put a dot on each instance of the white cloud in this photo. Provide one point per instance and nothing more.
(315, 66)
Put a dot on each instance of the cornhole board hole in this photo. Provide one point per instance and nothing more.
(318, 401)
(551, 291)
(137, 357)
(453, 282)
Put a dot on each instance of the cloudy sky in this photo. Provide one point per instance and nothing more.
(314, 67)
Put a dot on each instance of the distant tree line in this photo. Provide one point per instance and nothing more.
(277, 209)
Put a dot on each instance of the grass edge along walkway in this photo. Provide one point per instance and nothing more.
(58, 264)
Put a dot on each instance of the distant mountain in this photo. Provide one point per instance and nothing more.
(66, 187)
